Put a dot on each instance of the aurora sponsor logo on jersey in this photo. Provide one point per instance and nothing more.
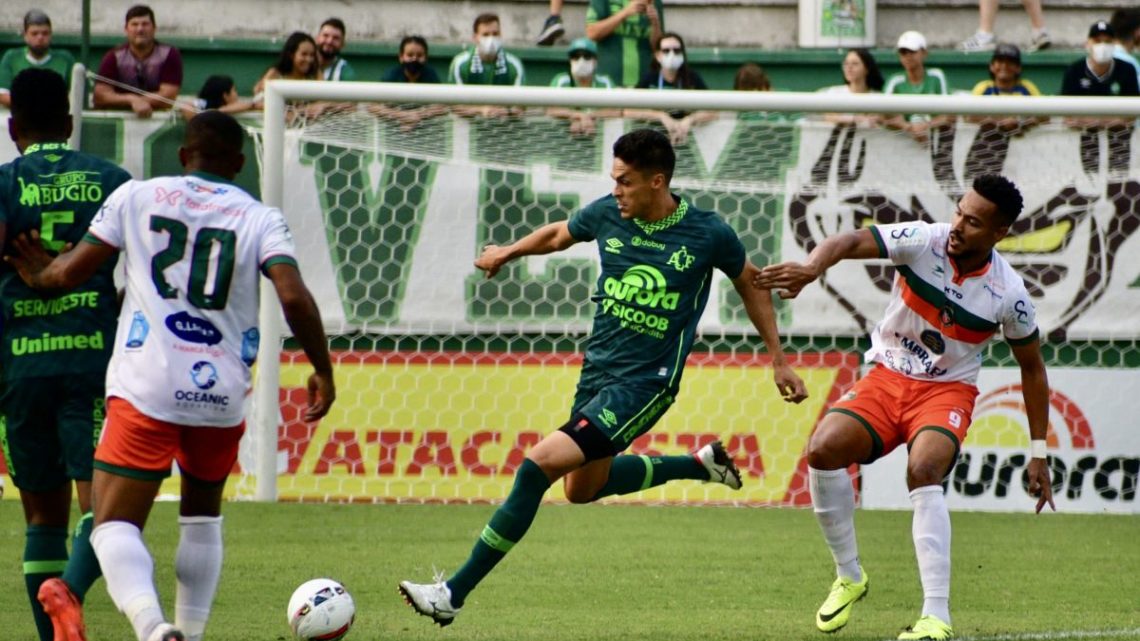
(71, 187)
(644, 286)
(192, 329)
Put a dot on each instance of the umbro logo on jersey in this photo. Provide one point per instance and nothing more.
(613, 245)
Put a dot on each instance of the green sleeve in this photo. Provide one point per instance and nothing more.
(6, 69)
(583, 225)
(730, 254)
(598, 10)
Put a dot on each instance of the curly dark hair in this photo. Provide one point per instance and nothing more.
(1000, 191)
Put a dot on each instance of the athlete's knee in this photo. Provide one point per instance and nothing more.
(578, 492)
(919, 474)
(823, 454)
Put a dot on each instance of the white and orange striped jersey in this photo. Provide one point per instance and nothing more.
(939, 321)
(194, 248)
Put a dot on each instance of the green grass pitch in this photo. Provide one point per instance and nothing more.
(637, 573)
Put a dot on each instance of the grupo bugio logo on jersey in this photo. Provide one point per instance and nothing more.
(204, 374)
(193, 329)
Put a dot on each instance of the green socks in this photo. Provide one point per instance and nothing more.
(507, 527)
(633, 473)
(45, 556)
(82, 568)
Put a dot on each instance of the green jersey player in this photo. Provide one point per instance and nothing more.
(55, 348)
(658, 253)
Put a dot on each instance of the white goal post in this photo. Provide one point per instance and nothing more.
(1075, 244)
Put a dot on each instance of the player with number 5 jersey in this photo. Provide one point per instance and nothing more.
(195, 247)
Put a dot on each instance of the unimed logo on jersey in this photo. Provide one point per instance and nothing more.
(996, 453)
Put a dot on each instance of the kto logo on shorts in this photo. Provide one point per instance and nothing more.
(204, 375)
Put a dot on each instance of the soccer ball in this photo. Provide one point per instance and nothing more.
(321, 610)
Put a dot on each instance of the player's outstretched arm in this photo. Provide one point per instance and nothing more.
(39, 270)
(1035, 392)
(544, 240)
(758, 304)
(304, 319)
(789, 278)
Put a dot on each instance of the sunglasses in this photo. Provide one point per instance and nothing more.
(671, 50)
(577, 55)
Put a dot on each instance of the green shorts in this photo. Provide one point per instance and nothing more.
(621, 409)
(49, 429)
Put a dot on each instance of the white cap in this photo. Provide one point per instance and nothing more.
(912, 40)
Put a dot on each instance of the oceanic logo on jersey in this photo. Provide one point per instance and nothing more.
(204, 374)
(644, 286)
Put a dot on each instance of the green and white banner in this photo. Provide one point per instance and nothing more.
(387, 230)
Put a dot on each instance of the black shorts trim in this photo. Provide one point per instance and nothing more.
(593, 442)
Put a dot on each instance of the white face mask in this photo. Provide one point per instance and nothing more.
(489, 45)
(672, 61)
(583, 67)
(1101, 52)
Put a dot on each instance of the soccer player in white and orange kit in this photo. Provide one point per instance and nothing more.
(952, 294)
(195, 247)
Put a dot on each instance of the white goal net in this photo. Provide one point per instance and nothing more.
(446, 378)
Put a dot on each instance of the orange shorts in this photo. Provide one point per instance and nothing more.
(136, 445)
(895, 408)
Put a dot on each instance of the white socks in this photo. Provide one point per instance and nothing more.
(129, 572)
(834, 501)
(198, 566)
(931, 532)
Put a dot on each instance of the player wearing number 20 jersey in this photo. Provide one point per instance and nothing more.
(188, 331)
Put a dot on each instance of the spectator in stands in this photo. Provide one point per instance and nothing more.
(670, 70)
(627, 37)
(860, 75)
(330, 40)
(486, 63)
(583, 57)
(984, 38)
(1005, 80)
(1125, 24)
(1101, 74)
(37, 52)
(915, 78)
(1005, 75)
(751, 77)
(142, 64)
(553, 28)
(218, 92)
(298, 61)
(413, 67)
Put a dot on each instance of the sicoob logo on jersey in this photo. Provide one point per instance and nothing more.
(644, 286)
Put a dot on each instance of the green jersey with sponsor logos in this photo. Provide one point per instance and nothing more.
(57, 192)
(654, 284)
